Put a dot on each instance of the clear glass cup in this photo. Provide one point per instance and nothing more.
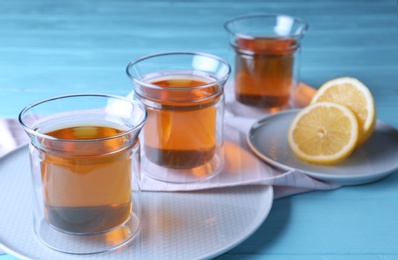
(267, 58)
(85, 166)
(183, 94)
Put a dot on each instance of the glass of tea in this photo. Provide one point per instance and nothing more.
(183, 94)
(85, 166)
(267, 49)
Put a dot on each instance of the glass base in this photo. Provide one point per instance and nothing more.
(243, 110)
(164, 174)
(88, 244)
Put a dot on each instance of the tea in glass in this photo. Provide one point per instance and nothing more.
(85, 164)
(183, 134)
(87, 192)
(266, 58)
(270, 64)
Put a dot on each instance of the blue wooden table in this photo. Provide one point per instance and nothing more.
(51, 47)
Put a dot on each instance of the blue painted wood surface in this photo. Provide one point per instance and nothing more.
(51, 47)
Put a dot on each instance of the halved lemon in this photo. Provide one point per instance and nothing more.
(323, 133)
(353, 94)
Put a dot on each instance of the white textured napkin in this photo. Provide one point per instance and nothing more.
(241, 166)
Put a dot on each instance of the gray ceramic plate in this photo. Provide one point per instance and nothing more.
(375, 159)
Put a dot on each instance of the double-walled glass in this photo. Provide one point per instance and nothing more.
(267, 54)
(85, 165)
(183, 94)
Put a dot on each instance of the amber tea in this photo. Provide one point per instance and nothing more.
(87, 192)
(183, 93)
(264, 74)
(181, 132)
(267, 53)
(85, 168)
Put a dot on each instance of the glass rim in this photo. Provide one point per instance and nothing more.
(266, 15)
(48, 137)
(189, 53)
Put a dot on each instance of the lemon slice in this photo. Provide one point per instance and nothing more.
(353, 94)
(323, 133)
